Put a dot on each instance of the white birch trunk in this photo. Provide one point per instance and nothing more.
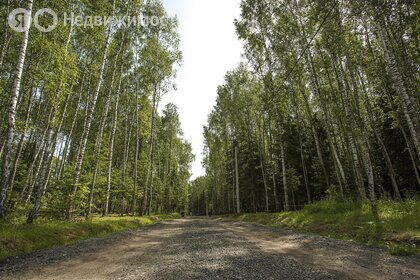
(12, 115)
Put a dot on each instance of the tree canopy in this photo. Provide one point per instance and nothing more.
(85, 134)
(325, 103)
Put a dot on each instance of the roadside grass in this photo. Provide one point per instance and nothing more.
(17, 238)
(398, 230)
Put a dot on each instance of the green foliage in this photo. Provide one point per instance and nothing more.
(399, 230)
(67, 99)
(17, 239)
(324, 104)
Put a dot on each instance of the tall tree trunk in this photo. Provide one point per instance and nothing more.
(267, 208)
(41, 182)
(406, 138)
(274, 168)
(271, 88)
(12, 116)
(136, 154)
(308, 111)
(301, 148)
(305, 171)
(31, 178)
(283, 168)
(411, 114)
(364, 141)
(315, 84)
(51, 138)
(344, 91)
(316, 137)
(151, 185)
(144, 205)
(262, 151)
(100, 137)
(238, 206)
(88, 122)
(73, 126)
(389, 165)
(314, 81)
(98, 152)
(20, 146)
(112, 139)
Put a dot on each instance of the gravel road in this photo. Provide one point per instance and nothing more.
(200, 248)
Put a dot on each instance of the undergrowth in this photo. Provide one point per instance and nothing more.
(18, 238)
(398, 229)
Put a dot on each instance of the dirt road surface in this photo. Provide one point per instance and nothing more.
(199, 248)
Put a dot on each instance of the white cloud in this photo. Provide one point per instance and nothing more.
(210, 48)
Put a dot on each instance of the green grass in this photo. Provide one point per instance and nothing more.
(398, 230)
(17, 238)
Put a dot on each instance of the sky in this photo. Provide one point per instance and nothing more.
(210, 48)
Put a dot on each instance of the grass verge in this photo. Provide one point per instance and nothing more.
(17, 239)
(398, 231)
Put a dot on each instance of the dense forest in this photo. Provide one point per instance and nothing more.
(326, 103)
(82, 132)
(312, 134)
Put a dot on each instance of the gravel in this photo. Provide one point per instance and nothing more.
(200, 248)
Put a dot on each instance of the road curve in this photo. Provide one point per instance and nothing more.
(200, 248)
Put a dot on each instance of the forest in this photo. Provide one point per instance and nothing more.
(305, 166)
(326, 104)
(82, 132)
